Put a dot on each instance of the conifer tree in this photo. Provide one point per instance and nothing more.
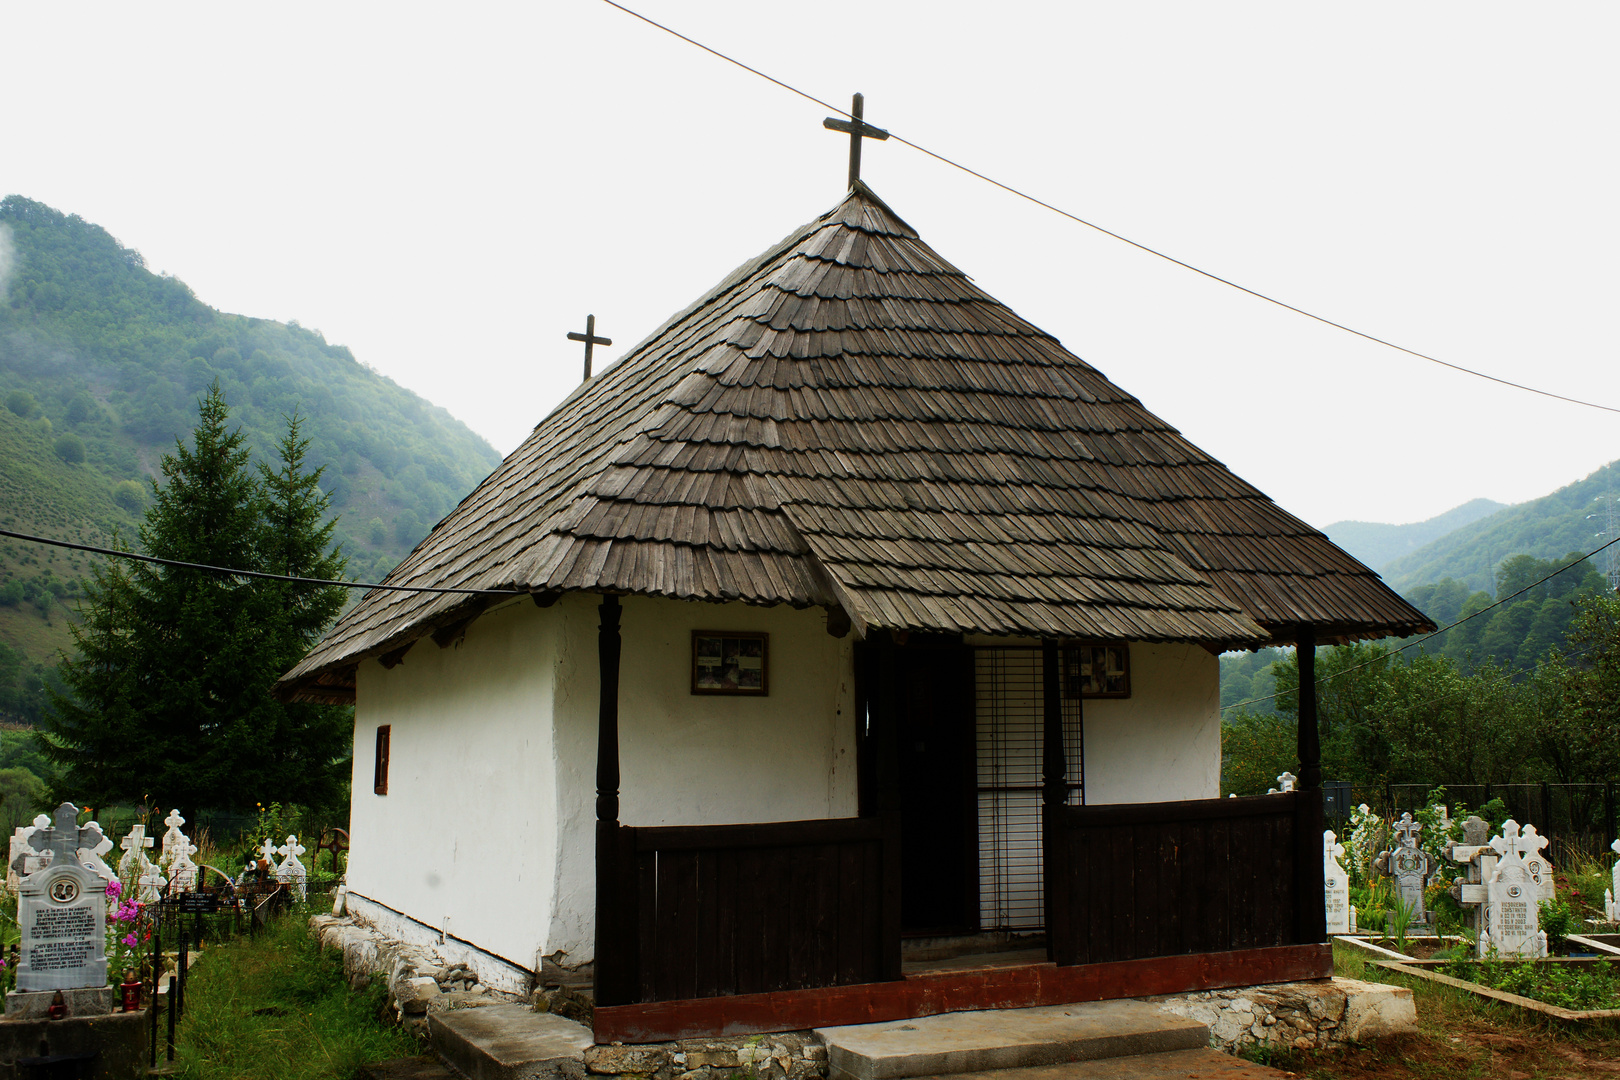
(169, 693)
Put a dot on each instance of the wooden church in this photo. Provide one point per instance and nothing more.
(848, 652)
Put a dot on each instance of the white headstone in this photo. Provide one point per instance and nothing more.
(1337, 883)
(291, 872)
(1287, 781)
(267, 853)
(1528, 844)
(25, 857)
(62, 914)
(176, 858)
(1614, 916)
(94, 845)
(134, 862)
(151, 884)
(1512, 920)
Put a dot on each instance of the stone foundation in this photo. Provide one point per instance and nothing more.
(420, 978)
(793, 1055)
(1298, 1016)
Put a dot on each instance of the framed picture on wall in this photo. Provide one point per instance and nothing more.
(1096, 671)
(730, 662)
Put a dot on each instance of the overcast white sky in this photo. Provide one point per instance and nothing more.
(449, 190)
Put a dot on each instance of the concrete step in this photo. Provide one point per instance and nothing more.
(1204, 1064)
(970, 1042)
(508, 1042)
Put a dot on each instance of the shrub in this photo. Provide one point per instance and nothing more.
(130, 495)
(22, 403)
(70, 448)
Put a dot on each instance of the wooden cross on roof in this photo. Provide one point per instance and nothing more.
(857, 129)
(589, 338)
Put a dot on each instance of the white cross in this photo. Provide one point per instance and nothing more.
(152, 884)
(134, 860)
(1287, 781)
(174, 820)
(93, 844)
(1331, 848)
(291, 848)
(1524, 844)
(268, 851)
(1615, 847)
(1408, 830)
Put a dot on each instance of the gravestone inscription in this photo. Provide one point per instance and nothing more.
(1512, 898)
(1337, 883)
(62, 912)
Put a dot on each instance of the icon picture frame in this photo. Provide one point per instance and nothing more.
(733, 663)
(1096, 670)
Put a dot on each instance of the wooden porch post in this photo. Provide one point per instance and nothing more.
(1309, 889)
(1054, 793)
(615, 941)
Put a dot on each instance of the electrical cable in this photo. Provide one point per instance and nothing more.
(1117, 236)
(254, 573)
(1412, 644)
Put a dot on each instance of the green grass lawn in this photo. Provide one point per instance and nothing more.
(276, 1007)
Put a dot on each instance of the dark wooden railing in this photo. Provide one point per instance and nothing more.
(713, 910)
(1130, 881)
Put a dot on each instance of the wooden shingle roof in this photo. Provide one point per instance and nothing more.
(848, 421)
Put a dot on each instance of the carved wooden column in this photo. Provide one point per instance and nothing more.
(1310, 889)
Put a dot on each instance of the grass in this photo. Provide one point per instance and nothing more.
(276, 1007)
(1462, 1037)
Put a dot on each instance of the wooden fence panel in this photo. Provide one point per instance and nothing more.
(748, 909)
(1167, 879)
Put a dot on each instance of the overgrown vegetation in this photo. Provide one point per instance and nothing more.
(276, 1007)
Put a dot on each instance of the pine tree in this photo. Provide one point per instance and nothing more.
(170, 688)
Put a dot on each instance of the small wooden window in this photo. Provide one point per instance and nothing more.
(380, 785)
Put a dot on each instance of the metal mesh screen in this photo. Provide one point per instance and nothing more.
(1008, 710)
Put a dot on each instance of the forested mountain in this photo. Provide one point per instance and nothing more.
(102, 363)
(1570, 519)
(1376, 543)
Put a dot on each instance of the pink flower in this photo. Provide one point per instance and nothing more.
(129, 939)
(114, 887)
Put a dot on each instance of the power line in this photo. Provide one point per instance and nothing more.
(1413, 644)
(233, 572)
(1117, 236)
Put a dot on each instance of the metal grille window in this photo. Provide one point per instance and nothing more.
(1008, 708)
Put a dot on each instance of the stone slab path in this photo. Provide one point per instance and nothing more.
(970, 1042)
(1204, 1064)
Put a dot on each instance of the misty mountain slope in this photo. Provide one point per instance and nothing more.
(1569, 519)
(1376, 544)
(101, 366)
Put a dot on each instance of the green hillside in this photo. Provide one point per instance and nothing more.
(101, 366)
(1569, 519)
(1376, 543)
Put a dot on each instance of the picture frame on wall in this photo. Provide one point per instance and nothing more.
(731, 662)
(1096, 671)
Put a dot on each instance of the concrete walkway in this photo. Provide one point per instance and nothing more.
(974, 1042)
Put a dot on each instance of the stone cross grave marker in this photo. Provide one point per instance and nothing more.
(1408, 864)
(94, 844)
(176, 858)
(62, 913)
(134, 862)
(291, 872)
(24, 859)
(1337, 883)
(1529, 844)
(1611, 909)
(1512, 898)
(1479, 857)
(151, 884)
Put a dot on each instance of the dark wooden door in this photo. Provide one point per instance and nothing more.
(938, 808)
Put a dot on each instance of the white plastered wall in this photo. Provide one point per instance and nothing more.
(693, 759)
(1163, 743)
(466, 839)
(491, 812)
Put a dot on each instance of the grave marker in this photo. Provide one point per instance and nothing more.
(1409, 865)
(134, 863)
(1337, 883)
(291, 872)
(94, 844)
(1512, 899)
(1611, 910)
(62, 913)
